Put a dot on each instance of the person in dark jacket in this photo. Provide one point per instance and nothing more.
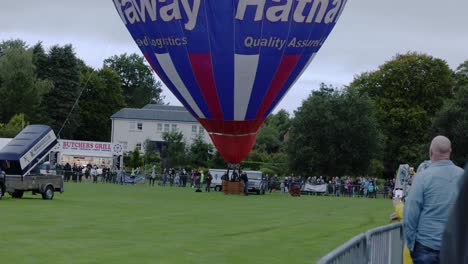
(454, 247)
(208, 180)
(245, 179)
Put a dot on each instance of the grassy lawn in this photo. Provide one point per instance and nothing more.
(141, 224)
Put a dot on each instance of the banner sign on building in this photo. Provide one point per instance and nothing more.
(89, 148)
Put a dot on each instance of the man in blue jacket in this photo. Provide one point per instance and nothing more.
(427, 207)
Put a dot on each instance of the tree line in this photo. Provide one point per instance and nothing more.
(383, 118)
(56, 88)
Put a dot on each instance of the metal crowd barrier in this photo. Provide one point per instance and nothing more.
(381, 245)
(385, 244)
(351, 252)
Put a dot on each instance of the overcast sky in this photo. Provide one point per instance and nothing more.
(368, 33)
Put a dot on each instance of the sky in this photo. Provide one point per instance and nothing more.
(368, 33)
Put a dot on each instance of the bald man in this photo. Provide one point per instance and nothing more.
(427, 207)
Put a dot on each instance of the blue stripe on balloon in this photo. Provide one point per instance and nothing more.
(306, 54)
(270, 57)
(221, 26)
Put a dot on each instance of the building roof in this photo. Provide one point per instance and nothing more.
(165, 107)
(156, 113)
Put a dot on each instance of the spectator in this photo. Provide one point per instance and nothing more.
(337, 186)
(371, 190)
(455, 239)
(427, 207)
(208, 179)
(245, 179)
(94, 174)
(177, 179)
(153, 176)
(274, 182)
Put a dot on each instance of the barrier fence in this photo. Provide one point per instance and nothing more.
(381, 245)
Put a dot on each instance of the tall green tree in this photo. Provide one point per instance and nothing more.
(64, 72)
(173, 154)
(267, 139)
(270, 136)
(40, 60)
(13, 127)
(199, 152)
(101, 97)
(216, 161)
(452, 122)
(408, 91)
(21, 91)
(334, 133)
(12, 44)
(461, 74)
(137, 80)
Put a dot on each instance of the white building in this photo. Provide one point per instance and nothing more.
(131, 127)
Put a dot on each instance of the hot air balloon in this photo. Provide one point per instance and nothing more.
(230, 62)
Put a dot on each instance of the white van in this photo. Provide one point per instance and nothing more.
(217, 183)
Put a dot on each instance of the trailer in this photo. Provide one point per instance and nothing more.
(20, 162)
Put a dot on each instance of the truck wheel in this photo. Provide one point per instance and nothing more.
(2, 190)
(48, 193)
(217, 189)
(17, 194)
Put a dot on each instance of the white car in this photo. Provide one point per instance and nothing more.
(48, 169)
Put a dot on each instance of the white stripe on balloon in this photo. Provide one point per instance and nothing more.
(169, 69)
(245, 70)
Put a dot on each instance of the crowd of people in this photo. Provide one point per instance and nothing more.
(88, 173)
(179, 177)
(336, 186)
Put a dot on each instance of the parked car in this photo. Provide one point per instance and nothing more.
(48, 169)
(256, 182)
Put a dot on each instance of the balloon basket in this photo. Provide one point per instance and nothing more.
(234, 188)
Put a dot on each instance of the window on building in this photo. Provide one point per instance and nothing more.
(201, 130)
(194, 129)
(138, 146)
(174, 127)
(132, 125)
(159, 128)
(140, 126)
(166, 127)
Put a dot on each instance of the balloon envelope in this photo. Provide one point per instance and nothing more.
(230, 62)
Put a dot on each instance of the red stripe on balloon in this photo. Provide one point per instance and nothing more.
(233, 149)
(287, 65)
(203, 70)
(231, 127)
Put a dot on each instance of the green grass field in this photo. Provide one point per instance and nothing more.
(141, 224)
